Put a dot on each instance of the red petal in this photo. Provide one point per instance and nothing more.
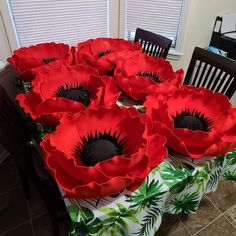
(196, 142)
(57, 104)
(70, 133)
(27, 58)
(29, 103)
(156, 150)
(138, 87)
(157, 109)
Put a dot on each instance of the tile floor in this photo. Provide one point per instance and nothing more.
(215, 217)
(19, 217)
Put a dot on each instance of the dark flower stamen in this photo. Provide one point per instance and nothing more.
(152, 75)
(103, 53)
(48, 60)
(111, 72)
(76, 93)
(194, 120)
(100, 147)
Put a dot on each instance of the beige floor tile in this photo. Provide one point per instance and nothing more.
(225, 195)
(172, 226)
(205, 214)
(231, 215)
(220, 227)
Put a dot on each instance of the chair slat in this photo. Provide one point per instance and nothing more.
(162, 52)
(209, 71)
(158, 51)
(202, 75)
(148, 48)
(144, 46)
(230, 92)
(216, 75)
(194, 81)
(153, 40)
(151, 49)
(217, 80)
(211, 78)
(228, 82)
(224, 78)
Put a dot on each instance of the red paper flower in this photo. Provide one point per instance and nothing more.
(195, 121)
(60, 89)
(101, 152)
(25, 59)
(97, 52)
(141, 75)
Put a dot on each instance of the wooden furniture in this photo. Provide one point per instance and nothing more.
(15, 138)
(221, 41)
(153, 44)
(212, 71)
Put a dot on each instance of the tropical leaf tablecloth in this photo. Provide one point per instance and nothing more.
(173, 187)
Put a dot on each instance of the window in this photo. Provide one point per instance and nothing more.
(159, 16)
(66, 21)
(71, 21)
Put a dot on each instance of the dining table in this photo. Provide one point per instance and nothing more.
(176, 186)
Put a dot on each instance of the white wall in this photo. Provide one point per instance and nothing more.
(201, 19)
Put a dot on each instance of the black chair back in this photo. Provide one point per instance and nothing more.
(212, 71)
(15, 138)
(153, 44)
(13, 134)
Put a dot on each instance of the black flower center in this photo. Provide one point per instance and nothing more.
(76, 93)
(48, 60)
(111, 72)
(151, 75)
(100, 147)
(192, 120)
(103, 53)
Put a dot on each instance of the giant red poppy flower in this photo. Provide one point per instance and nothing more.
(97, 52)
(141, 75)
(25, 59)
(62, 88)
(196, 122)
(100, 152)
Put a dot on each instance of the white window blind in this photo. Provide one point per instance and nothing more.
(68, 21)
(158, 16)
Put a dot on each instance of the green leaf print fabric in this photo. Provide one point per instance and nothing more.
(176, 186)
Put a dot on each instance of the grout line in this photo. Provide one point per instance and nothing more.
(208, 224)
(184, 225)
(213, 204)
(16, 226)
(39, 215)
(227, 217)
(221, 213)
(30, 215)
(229, 221)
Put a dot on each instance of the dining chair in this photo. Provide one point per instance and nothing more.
(15, 138)
(211, 71)
(153, 44)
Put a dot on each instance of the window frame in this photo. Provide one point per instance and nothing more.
(174, 53)
(116, 22)
(113, 23)
(8, 24)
